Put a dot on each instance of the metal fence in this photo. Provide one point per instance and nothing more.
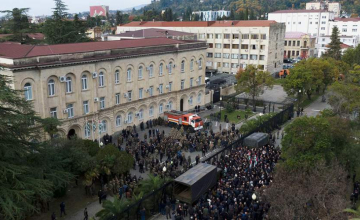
(152, 201)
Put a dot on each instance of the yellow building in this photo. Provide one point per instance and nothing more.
(298, 45)
(114, 83)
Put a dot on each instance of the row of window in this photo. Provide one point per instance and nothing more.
(236, 46)
(287, 53)
(236, 56)
(233, 36)
(288, 43)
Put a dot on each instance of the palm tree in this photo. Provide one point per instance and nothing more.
(356, 213)
(113, 210)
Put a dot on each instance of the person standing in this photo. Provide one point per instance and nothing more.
(53, 216)
(100, 194)
(62, 208)
(168, 210)
(142, 213)
(86, 214)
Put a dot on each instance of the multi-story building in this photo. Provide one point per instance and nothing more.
(346, 26)
(325, 5)
(111, 85)
(346, 43)
(298, 45)
(232, 44)
(211, 15)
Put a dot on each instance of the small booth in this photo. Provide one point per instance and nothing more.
(256, 140)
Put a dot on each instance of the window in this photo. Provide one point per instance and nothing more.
(161, 67)
(182, 85)
(151, 72)
(209, 36)
(217, 55)
(263, 36)
(130, 117)
(101, 79)
(310, 22)
(293, 53)
(285, 43)
(209, 55)
(86, 107)
(254, 36)
(87, 130)
(118, 121)
(299, 22)
(68, 85)
(218, 36)
(102, 102)
(201, 36)
(199, 98)
(53, 112)
(151, 111)
(70, 110)
(191, 82)
(161, 89)
(226, 36)
(140, 72)
(211, 45)
(293, 43)
(141, 93)
(170, 105)
(128, 75)
(235, 36)
(170, 66)
(322, 28)
(226, 55)
(161, 110)
(218, 46)
(254, 47)
(354, 30)
(234, 65)
(235, 46)
(323, 22)
(117, 98)
(297, 53)
(323, 16)
(51, 87)
(262, 47)
(245, 36)
(199, 81)
(200, 63)
(244, 56)
(117, 77)
(84, 82)
(244, 46)
(141, 114)
(344, 30)
(226, 65)
(129, 95)
(253, 57)
(226, 46)
(103, 126)
(298, 43)
(234, 56)
(170, 86)
(183, 66)
(191, 100)
(151, 90)
(262, 57)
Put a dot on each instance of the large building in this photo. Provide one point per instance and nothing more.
(346, 43)
(211, 15)
(334, 7)
(101, 10)
(346, 26)
(232, 44)
(298, 45)
(111, 85)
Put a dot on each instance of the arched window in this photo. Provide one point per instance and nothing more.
(51, 87)
(192, 64)
(118, 121)
(161, 108)
(84, 82)
(87, 130)
(141, 114)
(103, 126)
(191, 100)
(129, 75)
(170, 105)
(130, 117)
(200, 63)
(170, 67)
(161, 67)
(151, 111)
(117, 77)
(140, 72)
(68, 85)
(199, 98)
(151, 71)
(101, 79)
(28, 91)
(183, 66)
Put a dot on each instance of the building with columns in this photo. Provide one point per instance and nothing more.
(231, 44)
(114, 84)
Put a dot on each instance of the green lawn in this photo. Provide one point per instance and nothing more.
(233, 115)
(307, 102)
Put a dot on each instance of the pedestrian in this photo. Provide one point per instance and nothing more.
(53, 216)
(168, 210)
(142, 213)
(100, 196)
(282, 134)
(86, 214)
(62, 208)
(278, 134)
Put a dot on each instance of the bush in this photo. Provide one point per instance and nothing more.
(229, 107)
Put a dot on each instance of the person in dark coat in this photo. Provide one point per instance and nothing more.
(62, 208)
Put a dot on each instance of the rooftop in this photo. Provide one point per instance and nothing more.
(16, 51)
(297, 11)
(151, 33)
(347, 19)
(251, 23)
(294, 35)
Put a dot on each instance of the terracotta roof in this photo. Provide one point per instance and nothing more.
(347, 19)
(297, 11)
(343, 46)
(251, 23)
(294, 35)
(152, 32)
(22, 51)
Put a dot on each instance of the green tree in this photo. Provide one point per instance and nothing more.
(113, 210)
(17, 22)
(334, 50)
(119, 18)
(60, 9)
(51, 126)
(253, 82)
(352, 56)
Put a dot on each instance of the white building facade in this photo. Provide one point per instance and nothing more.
(211, 15)
(334, 7)
(346, 26)
(347, 42)
(231, 44)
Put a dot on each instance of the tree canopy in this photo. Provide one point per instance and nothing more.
(334, 50)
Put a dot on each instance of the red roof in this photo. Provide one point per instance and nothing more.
(152, 32)
(298, 11)
(343, 46)
(347, 19)
(251, 23)
(21, 51)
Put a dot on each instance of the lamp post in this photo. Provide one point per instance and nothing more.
(220, 106)
(253, 196)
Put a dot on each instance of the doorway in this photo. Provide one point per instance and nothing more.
(71, 134)
(181, 104)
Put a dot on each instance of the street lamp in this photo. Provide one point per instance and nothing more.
(220, 107)
(253, 196)
(164, 169)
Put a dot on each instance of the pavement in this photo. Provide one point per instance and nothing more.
(276, 94)
(312, 110)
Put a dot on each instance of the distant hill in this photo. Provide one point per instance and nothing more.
(136, 7)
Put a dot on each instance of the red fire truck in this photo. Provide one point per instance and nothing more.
(184, 118)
